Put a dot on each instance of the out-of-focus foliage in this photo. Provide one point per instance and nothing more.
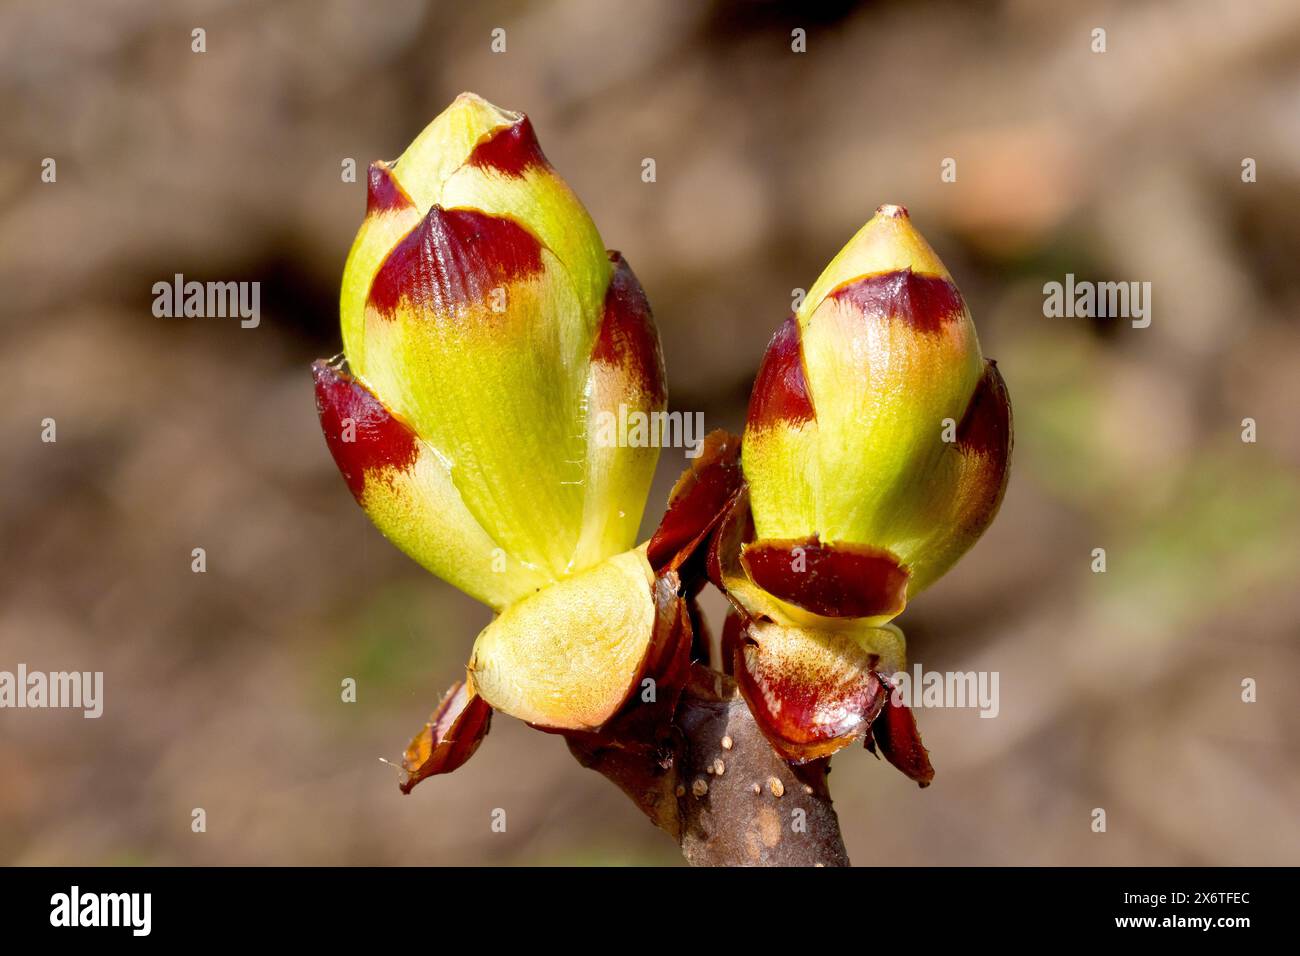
(1118, 690)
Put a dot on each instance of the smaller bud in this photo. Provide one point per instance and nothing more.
(875, 454)
(845, 452)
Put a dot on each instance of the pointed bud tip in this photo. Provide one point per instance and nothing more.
(383, 192)
(446, 144)
(469, 100)
(887, 243)
(478, 116)
(322, 371)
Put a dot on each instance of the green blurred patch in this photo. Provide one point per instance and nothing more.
(1228, 536)
(407, 638)
(1055, 391)
(1222, 527)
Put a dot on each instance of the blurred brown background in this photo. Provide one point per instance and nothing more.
(1118, 690)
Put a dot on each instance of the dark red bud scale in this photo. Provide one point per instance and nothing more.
(627, 337)
(986, 426)
(697, 502)
(841, 580)
(363, 436)
(780, 395)
(511, 151)
(453, 258)
(383, 192)
(926, 303)
(449, 738)
(895, 733)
